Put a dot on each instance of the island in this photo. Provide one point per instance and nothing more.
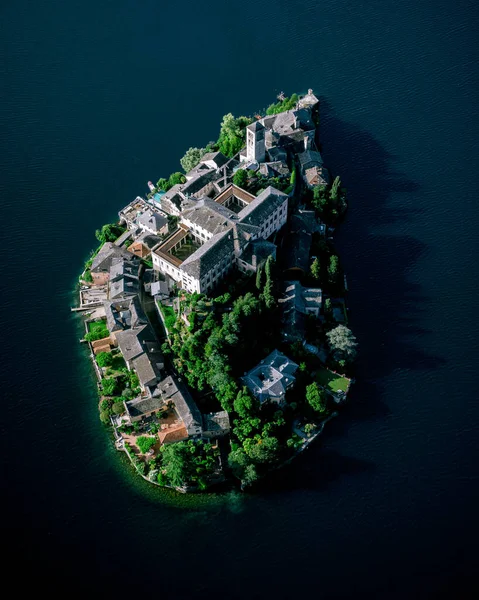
(215, 307)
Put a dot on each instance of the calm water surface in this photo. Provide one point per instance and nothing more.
(99, 97)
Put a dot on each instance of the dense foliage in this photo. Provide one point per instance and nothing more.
(192, 158)
(175, 178)
(240, 178)
(104, 359)
(343, 344)
(232, 134)
(187, 463)
(144, 443)
(330, 201)
(283, 105)
(109, 233)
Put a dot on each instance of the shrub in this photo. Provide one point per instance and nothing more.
(109, 385)
(240, 178)
(104, 359)
(105, 416)
(117, 408)
(145, 443)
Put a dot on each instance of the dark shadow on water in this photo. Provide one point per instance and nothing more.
(386, 306)
(315, 470)
(377, 251)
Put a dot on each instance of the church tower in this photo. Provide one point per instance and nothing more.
(255, 146)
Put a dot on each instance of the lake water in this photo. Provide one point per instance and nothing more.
(99, 97)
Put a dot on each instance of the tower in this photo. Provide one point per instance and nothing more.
(255, 147)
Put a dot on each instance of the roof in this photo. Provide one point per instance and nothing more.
(259, 248)
(271, 377)
(124, 313)
(170, 436)
(293, 303)
(107, 254)
(274, 168)
(218, 158)
(152, 220)
(317, 175)
(277, 153)
(125, 286)
(309, 100)
(159, 288)
(146, 367)
(305, 220)
(121, 267)
(132, 341)
(296, 250)
(210, 215)
(217, 422)
(195, 184)
(312, 157)
(212, 252)
(256, 126)
(143, 406)
(259, 209)
(173, 390)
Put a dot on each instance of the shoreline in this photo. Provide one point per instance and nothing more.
(95, 290)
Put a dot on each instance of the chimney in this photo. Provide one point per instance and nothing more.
(307, 142)
(254, 261)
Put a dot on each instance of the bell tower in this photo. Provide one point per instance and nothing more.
(255, 144)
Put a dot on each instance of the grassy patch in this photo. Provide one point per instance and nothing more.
(185, 250)
(169, 315)
(331, 381)
(118, 362)
(94, 326)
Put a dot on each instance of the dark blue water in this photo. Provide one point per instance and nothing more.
(99, 97)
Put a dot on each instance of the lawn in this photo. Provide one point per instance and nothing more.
(95, 326)
(169, 315)
(118, 362)
(331, 381)
(186, 250)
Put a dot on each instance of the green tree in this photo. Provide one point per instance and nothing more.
(262, 450)
(259, 277)
(191, 158)
(283, 105)
(162, 184)
(250, 475)
(109, 232)
(176, 178)
(335, 190)
(176, 462)
(316, 397)
(105, 416)
(97, 334)
(118, 408)
(268, 268)
(238, 461)
(104, 359)
(232, 134)
(110, 386)
(292, 179)
(333, 269)
(144, 443)
(316, 269)
(240, 178)
(245, 405)
(342, 343)
(328, 308)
